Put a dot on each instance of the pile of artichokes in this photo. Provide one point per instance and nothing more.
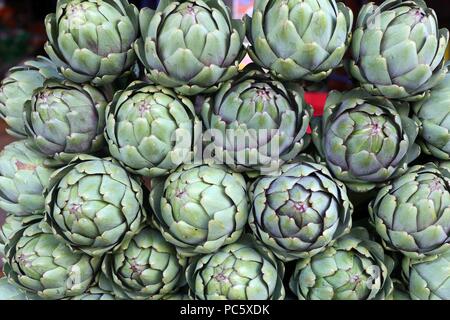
(149, 164)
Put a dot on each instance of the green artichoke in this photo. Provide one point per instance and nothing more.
(94, 293)
(10, 291)
(412, 213)
(200, 208)
(191, 46)
(151, 130)
(11, 226)
(39, 263)
(257, 123)
(65, 119)
(147, 267)
(23, 178)
(299, 39)
(244, 270)
(91, 40)
(433, 113)
(428, 278)
(445, 166)
(398, 49)
(365, 140)
(18, 87)
(301, 212)
(354, 268)
(94, 205)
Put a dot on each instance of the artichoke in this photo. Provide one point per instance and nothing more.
(191, 46)
(23, 178)
(147, 267)
(10, 291)
(65, 119)
(11, 226)
(151, 130)
(200, 208)
(433, 113)
(18, 87)
(91, 40)
(257, 123)
(39, 263)
(354, 268)
(365, 140)
(244, 270)
(94, 294)
(412, 213)
(94, 205)
(428, 278)
(398, 49)
(300, 212)
(299, 39)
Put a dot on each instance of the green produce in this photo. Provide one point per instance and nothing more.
(445, 165)
(412, 214)
(257, 123)
(65, 119)
(18, 87)
(39, 263)
(94, 293)
(300, 212)
(91, 40)
(200, 208)
(23, 178)
(400, 292)
(354, 268)
(94, 205)
(147, 267)
(299, 39)
(244, 270)
(9, 291)
(11, 226)
(151, 130)
(365, 140)
(398, 49)
(191, 46)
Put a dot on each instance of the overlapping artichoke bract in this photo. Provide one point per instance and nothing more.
(23, 178)
(365, 140)
(245, 270)
(300, 212)
(11, 226)
(201, 207)
(147, 267)
(433, 113)
(412, 213)
(299, 39)
(18, 87)
(91, 40)
(398, 49)
(151, 130)
(94, 205)
(39, 263)
(65, 119)
(428, 278)
(94, 293)
(256, 123)
(191, 46)
(354, 268)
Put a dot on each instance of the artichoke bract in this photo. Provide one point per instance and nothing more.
(11, 226)
(433, 113)
(191, 46)
(94, 294)
(412, 213)
(23, 178)
(354, 268)
(147, 267)
(94, 205)
(91, 40)
(398, 49)
(199, 208)
(18, 87)
(39, 263)
(300, 212)
(299, 39)
(365, 140)
(256, 123)
(245, 270)
(151, 130)
(65, 119)
(428, 278)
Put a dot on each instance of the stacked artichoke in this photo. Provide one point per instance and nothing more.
(197, 179)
